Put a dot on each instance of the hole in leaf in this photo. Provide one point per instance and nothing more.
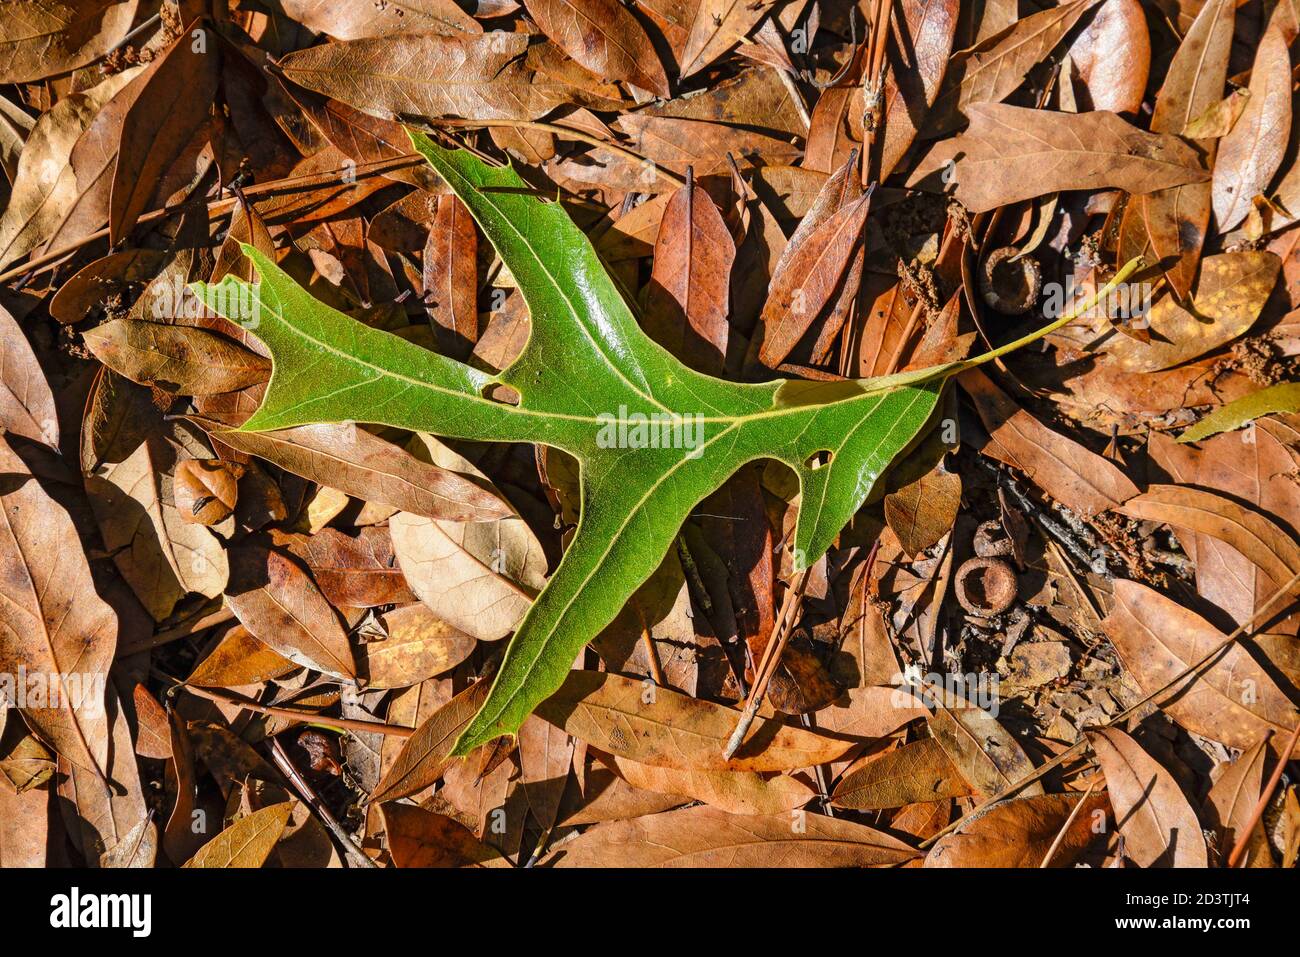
(498, 392)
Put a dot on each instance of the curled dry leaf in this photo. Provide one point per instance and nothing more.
(991, 71)
(162, 554)
(239, 659)
(450, 277)
(1113, 57)
(426, 754)
(545, 758)
(1070, 473)
(735, 792)
(1231, 805)
(355, 461)
(981, 750)
(476, 77)
(915, 773)
(604, 37)
(1175, 221)
(153, 730)
(1232, 290)
(26, 402)
(481, 578)
(45, 187)
(358, 19)
(807, 276)
(420, 838)
(108, 804)
(919, 45)
(687, 300)
(206, 489)
(717, 25)
(40, 38)
(1252, 150)
(1256, 474)
(419, 645)
(176, 94)
(352, 571)
(923, 511)
(176, 358)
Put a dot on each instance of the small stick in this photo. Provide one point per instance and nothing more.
(767, 666)
(221, 207)
(318, 806)
(297, 715)
(1060, 837)
(568, 131)
(873, 85)
(796, 98)
(656, 668)
(183, 630)
(1265, 796)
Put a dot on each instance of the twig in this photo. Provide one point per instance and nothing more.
(873, 84)
(134, 33)
(1265, 796)
(318, 806)
(652, 653)
(295, 714)
(571, 133)
(1060, 836)
(191, 626)
(1074, 749)
(796, 98)
(220, 207)
(768, 664)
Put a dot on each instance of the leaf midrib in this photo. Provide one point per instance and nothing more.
(773, 413)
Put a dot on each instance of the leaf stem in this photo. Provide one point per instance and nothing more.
(1128, 269)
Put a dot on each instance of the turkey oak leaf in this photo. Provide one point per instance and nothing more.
(652, 437)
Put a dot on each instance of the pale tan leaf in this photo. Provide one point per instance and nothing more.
(52, 621)
(246, 843)
(1159, 827)
(1234, 700)
(705, 837)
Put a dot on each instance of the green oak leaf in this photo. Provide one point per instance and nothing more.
(652, 437)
